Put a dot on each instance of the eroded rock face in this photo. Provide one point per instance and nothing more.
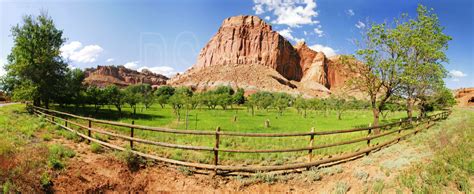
(247, 40)
(313, 65)
(247, 53)
(121, 76)
(464, 97)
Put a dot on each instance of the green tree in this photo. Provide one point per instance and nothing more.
(424, 45)
(133, 96)
(380, 69)
(251, 102)
(238, 97)
(35, 69)
(74, 89)
(263, 99)
(115, 97)
(180, 99)
(96, 97)
(163, 93)
(301, 104)
(148, 98)
(281, 102)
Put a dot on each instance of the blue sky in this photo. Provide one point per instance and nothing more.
(167, 35)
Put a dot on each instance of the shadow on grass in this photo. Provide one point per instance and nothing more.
(106, 114)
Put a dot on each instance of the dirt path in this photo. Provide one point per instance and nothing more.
(89, 172)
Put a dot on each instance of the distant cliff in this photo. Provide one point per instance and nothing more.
(121, 76)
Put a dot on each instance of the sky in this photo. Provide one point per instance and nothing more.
(166, 36)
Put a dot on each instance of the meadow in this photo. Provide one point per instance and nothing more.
(238, 119)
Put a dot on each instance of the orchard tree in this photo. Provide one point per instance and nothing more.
(115, 97)
(147, 96)
(133, 96)
(238, 97)
(180, 99)
(163, 93)
(35, 69)
(251, 102)
(424, 44)
(264, 99)
(96, 97)
(281, 102)
(302, 104)
(380, 69)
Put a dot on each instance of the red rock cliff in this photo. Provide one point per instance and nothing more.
(248, 40)
(121, 76)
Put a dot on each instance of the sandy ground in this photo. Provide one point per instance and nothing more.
(89, 172)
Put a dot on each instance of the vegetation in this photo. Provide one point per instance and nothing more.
(453, 161)
(402, 60)
(35, 70)
(28, 163)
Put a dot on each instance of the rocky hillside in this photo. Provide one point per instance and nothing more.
(247, 53)
(121, 76)
(464, 96)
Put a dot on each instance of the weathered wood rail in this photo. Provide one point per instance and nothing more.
(418, 124)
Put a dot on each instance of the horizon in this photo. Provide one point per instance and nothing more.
(167, 36)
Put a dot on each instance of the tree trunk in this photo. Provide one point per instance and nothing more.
(376, 113)
(410, 109)
(36, 102)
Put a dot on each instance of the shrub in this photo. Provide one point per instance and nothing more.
(185, 170)
(96, 148)
(132, 160)
(57, 154)
(47, 137)
(341, 188)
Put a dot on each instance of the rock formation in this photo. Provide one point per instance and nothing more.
(249, 40)
(121, 76)
(247, 53)
(464, 97)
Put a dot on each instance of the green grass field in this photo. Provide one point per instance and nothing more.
(204, 119)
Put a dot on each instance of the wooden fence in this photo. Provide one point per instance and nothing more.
(60, 118)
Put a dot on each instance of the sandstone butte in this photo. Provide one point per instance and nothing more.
(464, 97)
(245, 52)
(121, 76)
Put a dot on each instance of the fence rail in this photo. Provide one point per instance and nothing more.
(54, 117)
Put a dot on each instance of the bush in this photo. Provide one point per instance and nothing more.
(132, 160)
(57, 154)
(96, 148)
(341, 188)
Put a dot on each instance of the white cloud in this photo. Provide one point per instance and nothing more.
(75, 52)
(456, 74)
(287, 34)
(350, 12)
(110, 60)
(319, 32)
(132, 64)
(287, 12)
(163, 70)
(328, 51)
(360, 25)
(267, 18)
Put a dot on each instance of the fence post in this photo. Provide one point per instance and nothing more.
(216, 148)
(311, 140)
(131, 135)
(368, 135)
(89, 131)
(65, 121)
(417, 123)
(399, 130)
(52, 118)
